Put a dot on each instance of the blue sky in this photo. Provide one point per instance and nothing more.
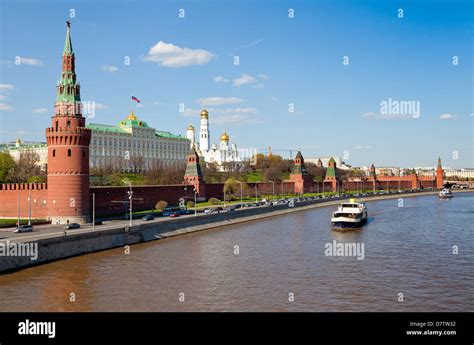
(299, 60)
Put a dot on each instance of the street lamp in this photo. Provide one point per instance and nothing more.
(241, 203)
(256, 191)
(130, 196)
(273, 189)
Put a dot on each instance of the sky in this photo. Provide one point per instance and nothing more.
(325, 77)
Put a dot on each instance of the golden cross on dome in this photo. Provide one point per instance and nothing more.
(68, 23)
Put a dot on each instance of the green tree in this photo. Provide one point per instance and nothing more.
(7, 165)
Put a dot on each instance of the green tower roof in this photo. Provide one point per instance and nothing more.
(68, 44)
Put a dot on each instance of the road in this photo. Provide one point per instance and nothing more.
(50, 230)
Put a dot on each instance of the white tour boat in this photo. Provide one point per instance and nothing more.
(349, 216)
(445, 193)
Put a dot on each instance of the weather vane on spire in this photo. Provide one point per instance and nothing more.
(68, 23)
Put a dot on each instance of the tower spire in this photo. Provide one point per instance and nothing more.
(68, 44)
(68, 89)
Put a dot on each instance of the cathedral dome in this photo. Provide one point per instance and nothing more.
(224, 137)
(204, 113)
(190, 128)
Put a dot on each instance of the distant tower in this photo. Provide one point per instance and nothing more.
(68, 148)
(204, 135)
(193, 174)
(439, 175)
(190, 135)
(300, 176)
(372, 172)
(320, 163)
(331, 174)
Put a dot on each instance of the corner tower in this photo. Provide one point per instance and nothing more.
(439, 175)
(68, 142)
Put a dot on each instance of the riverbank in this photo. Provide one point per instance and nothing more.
(61, 245)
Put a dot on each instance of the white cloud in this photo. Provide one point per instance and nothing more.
(30, 61)
(258, 86)
(220, 79)
(219, 100)
(234, 119)
(100, 106)
(472, 114)
(262, 76)
(3, 97)
(169, 55)
(226, 115)
(447, 116)
(362, 147)
(244, 79)
(5, 107)
(6, 87)
(109, 68)
(40, 110)
(140, 105)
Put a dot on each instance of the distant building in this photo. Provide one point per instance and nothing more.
(325, 162)
(134, 145)
(463, 173)
(18, 147)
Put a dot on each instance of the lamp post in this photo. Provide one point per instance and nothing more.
(29, 205)
(93, 211)
(273, 189)
(241, 203)
(256, 191)
(195, 201)
(130, 196)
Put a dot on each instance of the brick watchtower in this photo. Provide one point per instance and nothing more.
(68, 148)
(332, 174)
(302, 180)
(439, 175)
(193, 174)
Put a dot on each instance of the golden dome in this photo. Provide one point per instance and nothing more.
(131, 116)
(204, 113)
(190, 128)
(224, 137)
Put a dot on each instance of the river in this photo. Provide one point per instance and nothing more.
(280, 264)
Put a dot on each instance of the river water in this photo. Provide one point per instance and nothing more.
(280, 266)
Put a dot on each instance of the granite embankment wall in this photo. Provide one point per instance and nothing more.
(58, 246)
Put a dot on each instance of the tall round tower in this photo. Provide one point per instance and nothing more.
(68, 142)
(204, 139)
(190, 135)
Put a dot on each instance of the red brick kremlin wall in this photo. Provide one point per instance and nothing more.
(113, 200)
(9, 200)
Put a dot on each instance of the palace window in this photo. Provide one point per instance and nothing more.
(69, 152)
(54, 153)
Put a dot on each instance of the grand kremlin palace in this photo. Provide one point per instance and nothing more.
(131, 145)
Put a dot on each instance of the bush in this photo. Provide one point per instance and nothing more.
(161, 205)
(214, 201)
(190, 204)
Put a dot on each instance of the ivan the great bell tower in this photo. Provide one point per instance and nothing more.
(68, 142)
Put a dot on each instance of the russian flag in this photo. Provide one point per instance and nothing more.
(135, 99)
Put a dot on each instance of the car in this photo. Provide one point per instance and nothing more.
(207, 210)
(71, 226)
(98, 222)
(148, 217)
(174, 215)
(23, 228)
